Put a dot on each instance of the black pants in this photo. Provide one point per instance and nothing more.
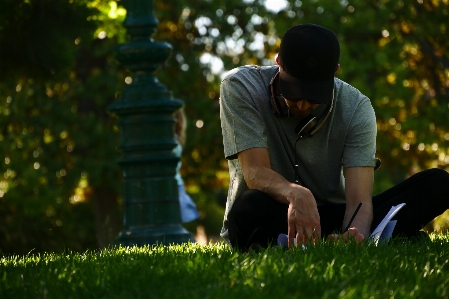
(256, 217)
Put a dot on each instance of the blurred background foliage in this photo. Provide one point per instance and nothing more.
(59, 181)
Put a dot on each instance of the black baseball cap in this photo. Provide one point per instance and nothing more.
(308, 57)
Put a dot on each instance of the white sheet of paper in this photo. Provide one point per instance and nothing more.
(377, 234)
(388, 230)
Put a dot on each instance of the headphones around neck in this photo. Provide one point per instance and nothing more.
(309, 125)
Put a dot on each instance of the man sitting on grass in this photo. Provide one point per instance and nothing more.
(301, 146)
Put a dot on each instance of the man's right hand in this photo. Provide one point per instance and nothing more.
(303, 217)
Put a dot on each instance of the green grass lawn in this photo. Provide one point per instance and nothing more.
(397, 270)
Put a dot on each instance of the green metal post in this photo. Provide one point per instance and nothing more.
(151, 212)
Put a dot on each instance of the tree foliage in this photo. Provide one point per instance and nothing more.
(59, 183)
(59, 186)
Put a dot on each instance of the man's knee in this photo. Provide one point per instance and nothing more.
(440, 176)
(438, 180)
(243, 217)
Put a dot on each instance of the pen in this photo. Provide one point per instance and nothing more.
(352, 218)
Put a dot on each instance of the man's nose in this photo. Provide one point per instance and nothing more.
(303, 105)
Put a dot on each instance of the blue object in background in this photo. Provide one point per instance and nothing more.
(186, 204)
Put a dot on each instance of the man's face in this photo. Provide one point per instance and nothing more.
(300, 108)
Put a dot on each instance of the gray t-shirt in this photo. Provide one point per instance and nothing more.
(347, 139)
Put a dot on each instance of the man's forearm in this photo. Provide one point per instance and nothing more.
(272, 183)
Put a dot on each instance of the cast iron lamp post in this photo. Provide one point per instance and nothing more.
(145, 108)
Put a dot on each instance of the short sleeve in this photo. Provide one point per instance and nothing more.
(360, 143)
(241, 123)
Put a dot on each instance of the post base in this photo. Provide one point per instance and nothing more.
(153, 236)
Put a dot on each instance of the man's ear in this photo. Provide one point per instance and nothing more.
(338, 68)
(277, 60)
